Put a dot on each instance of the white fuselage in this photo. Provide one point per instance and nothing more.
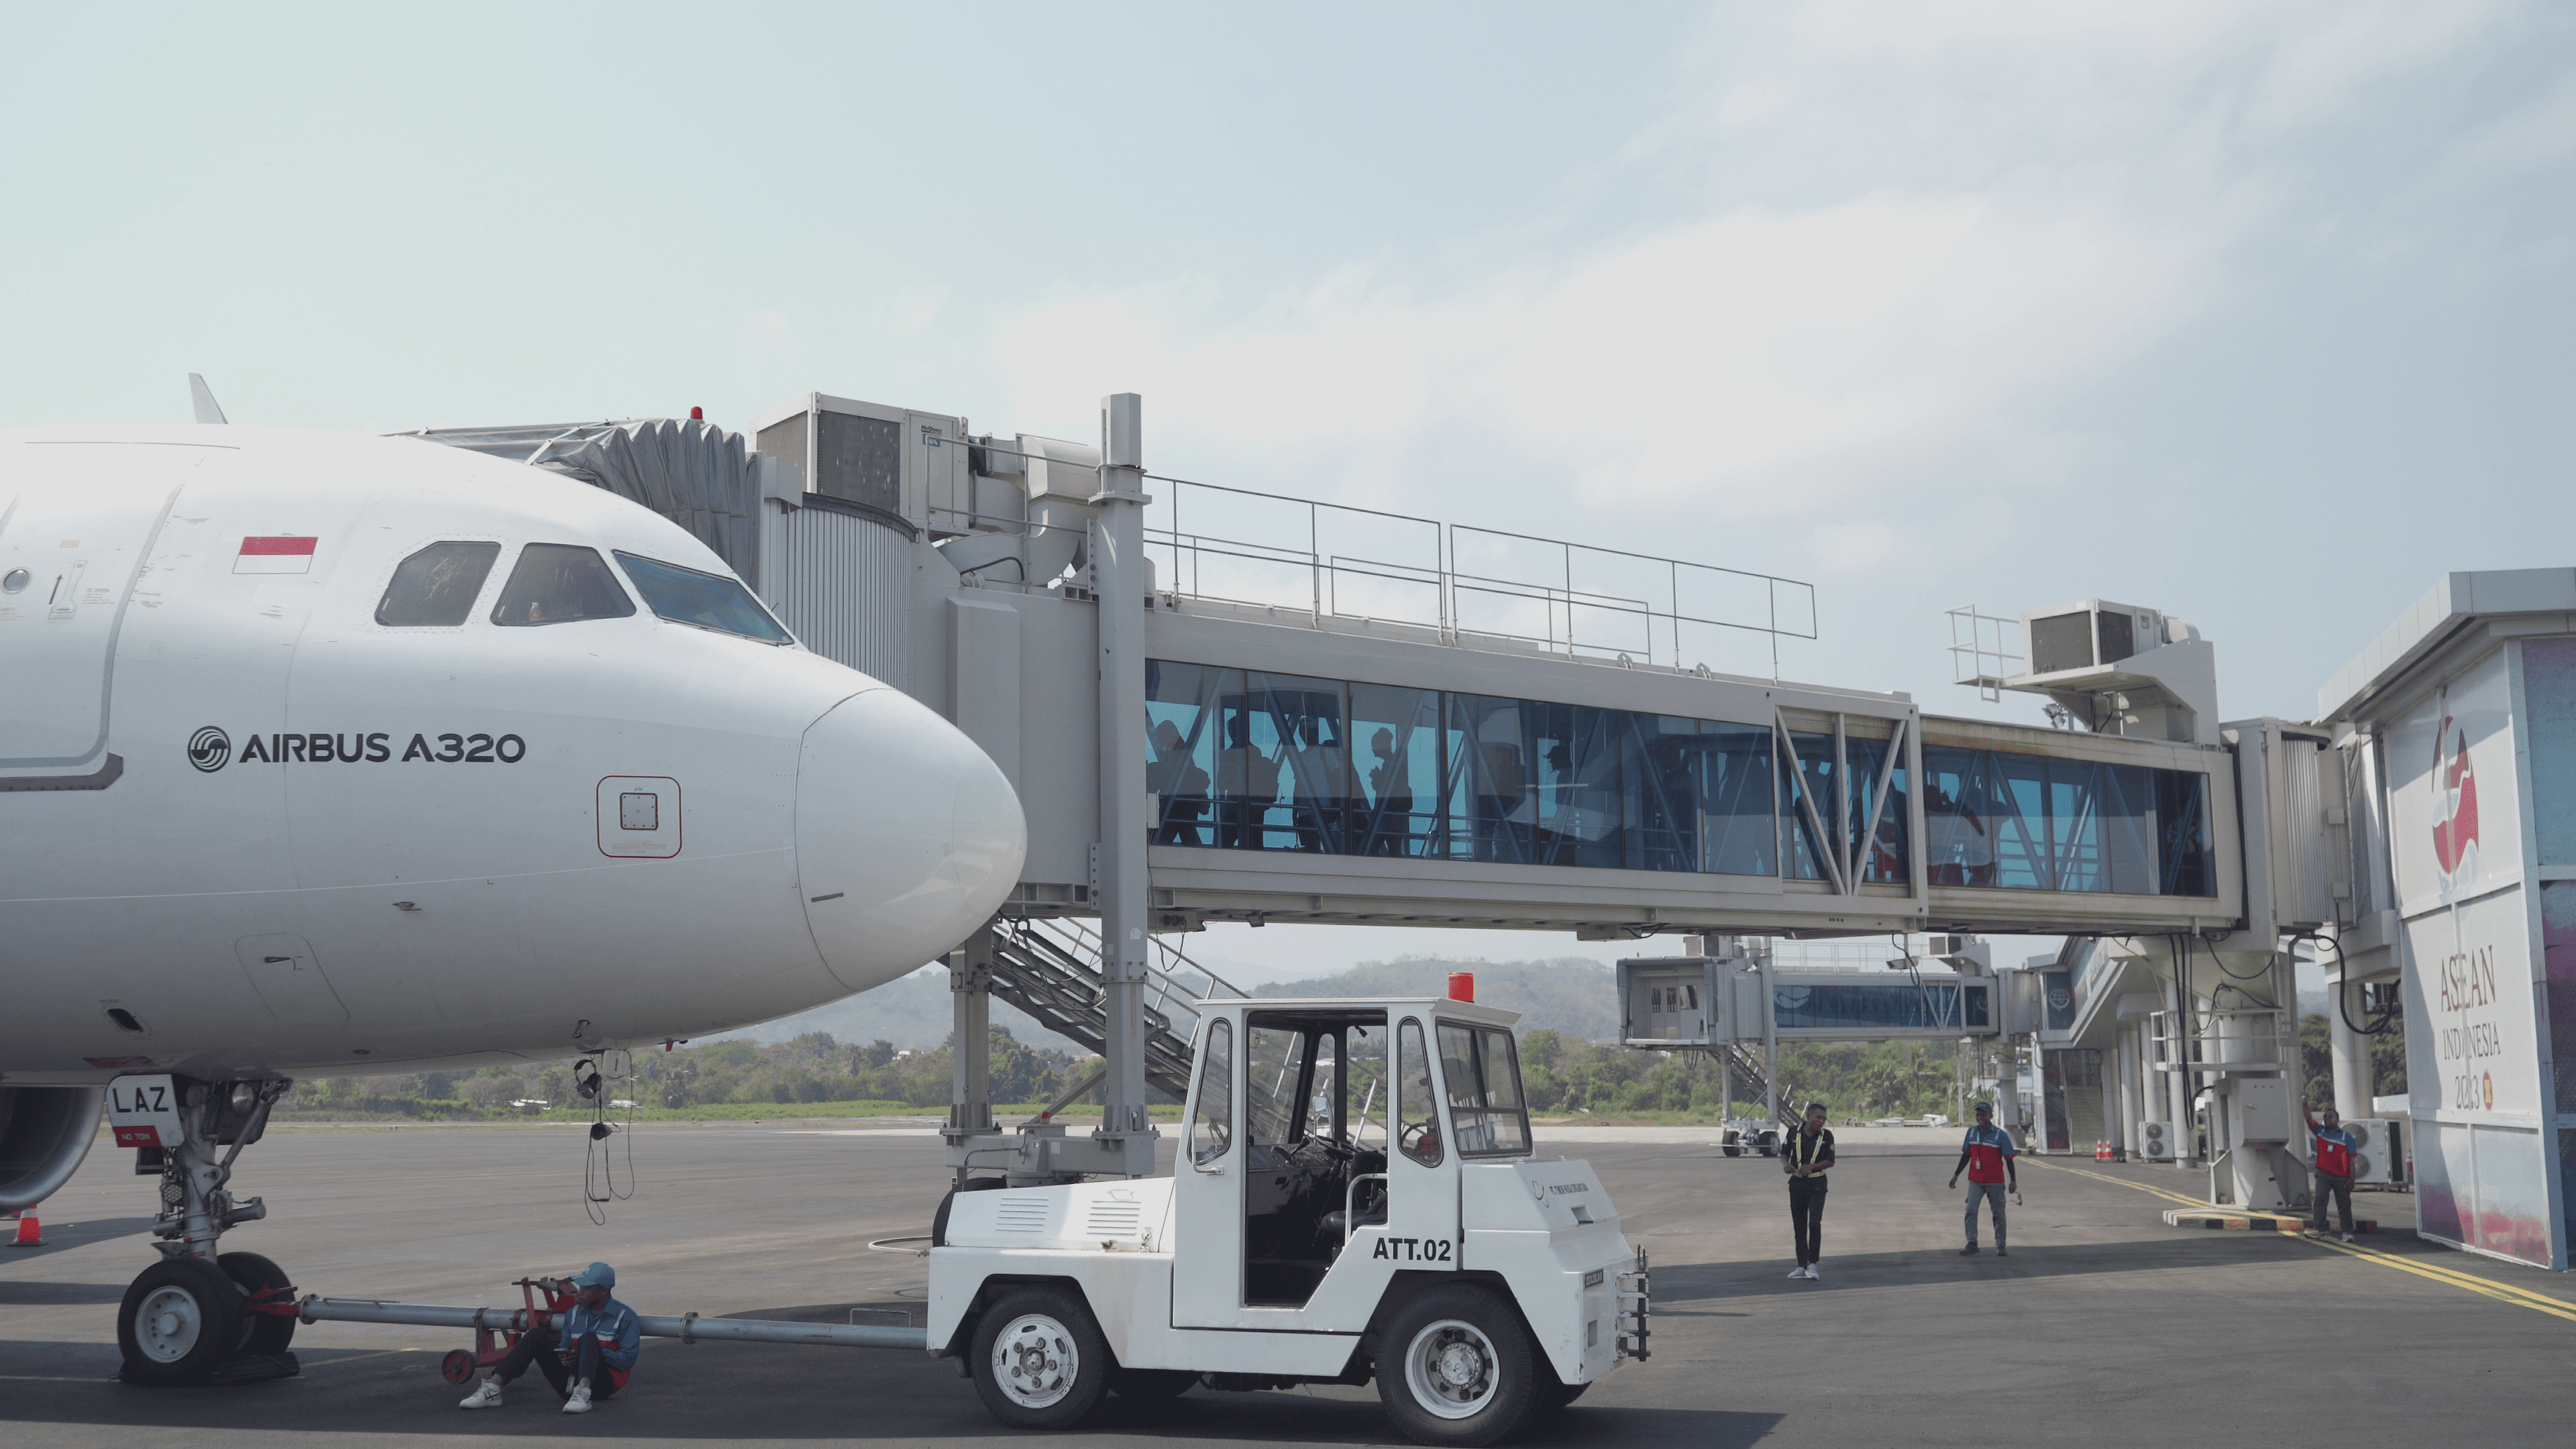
(247, 829)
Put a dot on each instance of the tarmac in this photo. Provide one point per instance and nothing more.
(2104, 1326)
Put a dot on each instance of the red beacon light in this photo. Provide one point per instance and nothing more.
(697, 415)
(1462, 986)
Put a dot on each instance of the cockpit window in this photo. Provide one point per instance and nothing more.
(709, 601)
(436, 587)
(558, 583)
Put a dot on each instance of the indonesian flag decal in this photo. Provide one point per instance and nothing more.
(2455, 805)
(275, 553)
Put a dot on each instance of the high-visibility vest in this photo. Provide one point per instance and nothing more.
(2333, 1158)
(1804, 1150)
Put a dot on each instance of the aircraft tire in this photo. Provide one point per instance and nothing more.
(264, 1333)
(180, 1318)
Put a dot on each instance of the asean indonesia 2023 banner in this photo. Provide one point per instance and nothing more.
(2472, 1053)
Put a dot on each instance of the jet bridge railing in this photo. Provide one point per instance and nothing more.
(1466, 584)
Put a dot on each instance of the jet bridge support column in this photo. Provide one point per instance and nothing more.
(970, 1044)
(1126, 1135)
(2178, 1084)
(1770, 1042)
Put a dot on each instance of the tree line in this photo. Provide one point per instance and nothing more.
(1564, 1075)
(813, 1068)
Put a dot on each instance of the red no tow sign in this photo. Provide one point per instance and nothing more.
(144, 1111)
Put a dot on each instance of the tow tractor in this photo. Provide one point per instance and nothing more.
(1355, 1196)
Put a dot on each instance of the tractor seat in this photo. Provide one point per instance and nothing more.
(1338, 1222)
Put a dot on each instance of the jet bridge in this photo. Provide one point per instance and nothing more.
(1218, 704)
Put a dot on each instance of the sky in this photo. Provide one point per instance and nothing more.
(2257, 314)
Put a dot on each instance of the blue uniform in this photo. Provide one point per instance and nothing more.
(620, 1334)
(1987, 1150)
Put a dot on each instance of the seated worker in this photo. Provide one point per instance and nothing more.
(601, 1340)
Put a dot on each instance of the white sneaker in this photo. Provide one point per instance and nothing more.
(486, 1395)
(2347, 1237)
(579, 1403)
(1811, 1272)
(1798, 1272)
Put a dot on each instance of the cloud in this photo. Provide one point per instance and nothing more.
(1887, 242)
(1836, 347)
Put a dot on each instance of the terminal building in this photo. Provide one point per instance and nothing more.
(1221, 705)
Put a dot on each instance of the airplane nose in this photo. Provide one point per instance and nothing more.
(907, 836)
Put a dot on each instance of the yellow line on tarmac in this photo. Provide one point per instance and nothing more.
(2502, 1293)
(2124, 1182)
(2520, 1298)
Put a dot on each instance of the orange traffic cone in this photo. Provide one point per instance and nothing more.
(2101, 1151)
(31, 1233)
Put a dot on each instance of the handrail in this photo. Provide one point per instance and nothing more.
(1327, 570)
(1350, 1201)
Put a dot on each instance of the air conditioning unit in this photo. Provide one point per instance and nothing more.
(2089, 635)
(897, 461)
(2381, 1157)
(2156, 1141)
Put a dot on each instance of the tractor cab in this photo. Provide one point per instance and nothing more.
(1321, 1151)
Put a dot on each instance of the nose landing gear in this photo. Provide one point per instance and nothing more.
(199, 1314)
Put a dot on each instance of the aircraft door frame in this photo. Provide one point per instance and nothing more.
(83, 550)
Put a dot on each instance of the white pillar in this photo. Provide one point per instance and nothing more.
(2126, 1037)
(2349, 1049)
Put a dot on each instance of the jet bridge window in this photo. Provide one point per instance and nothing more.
(436, 587)
(560, 583)
(2035, 822)
(1247, 760)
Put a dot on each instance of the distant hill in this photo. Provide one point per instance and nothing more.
(910, 1011)
(1568, 994)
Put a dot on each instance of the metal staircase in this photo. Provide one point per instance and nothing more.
(1051, 970)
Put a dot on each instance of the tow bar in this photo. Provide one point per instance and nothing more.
(495, 1329)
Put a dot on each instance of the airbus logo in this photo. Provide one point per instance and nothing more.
(210, 749)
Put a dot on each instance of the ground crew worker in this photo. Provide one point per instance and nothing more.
(1987, 1156)
(600, 1342)
(2333, 1173)
(1810, 1154)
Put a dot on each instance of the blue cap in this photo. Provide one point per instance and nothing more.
(597, 1275)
